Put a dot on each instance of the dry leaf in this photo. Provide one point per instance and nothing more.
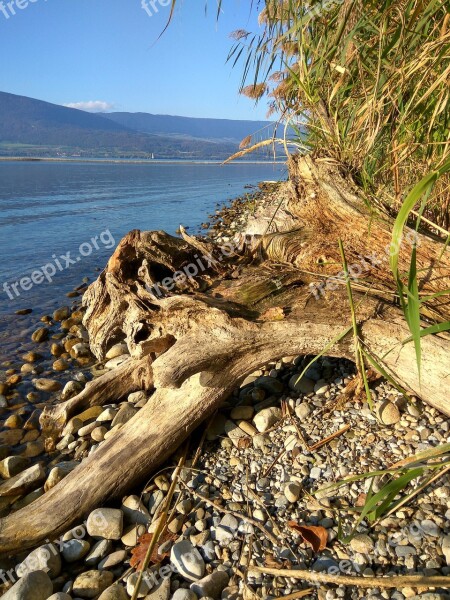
(276, 313)
(361, 499)
(316, 537)
(244, 443)
(272, 563)
(140, 550)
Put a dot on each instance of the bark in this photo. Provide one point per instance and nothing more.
(194, 342)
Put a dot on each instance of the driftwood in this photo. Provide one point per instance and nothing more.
(193, 342)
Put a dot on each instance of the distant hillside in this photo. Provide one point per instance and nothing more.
(30, 127)
(207, 129)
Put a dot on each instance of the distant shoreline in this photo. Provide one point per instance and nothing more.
(154, 161)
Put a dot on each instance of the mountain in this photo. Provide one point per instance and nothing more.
(30, 127)
(207, 129)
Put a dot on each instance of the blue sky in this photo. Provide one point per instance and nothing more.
(70, 51)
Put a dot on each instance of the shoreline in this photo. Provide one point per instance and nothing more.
(149, 161)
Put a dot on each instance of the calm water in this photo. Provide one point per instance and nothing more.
(68, 217)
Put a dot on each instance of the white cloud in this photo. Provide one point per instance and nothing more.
(91, 106)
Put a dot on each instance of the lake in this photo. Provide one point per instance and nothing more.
(68, 216)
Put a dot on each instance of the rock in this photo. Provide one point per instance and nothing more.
(184, 507)
(402, 551)
(60, 596)
(72, 388)
(244, 413)
(98, 434)
(187, 560)
(162, 483)
(362, 543)
(176, 524)
(99, 551)
(216, 428)
(31, 357)
(302, 386)
(430, 528)
(92, 583)
(117, 350)
(211, 585)
(45, 558)
(147, 584)
(321, 388)
(33, 586)
(74, 550)
(114, 592)
(61, 313)
(32, 422)
(235, 433)
(292, 491)
(60, 365)
(134, 511)
(105, 523)
(58, 473)
(269, 384)
(23, 311)
(23, 482)
(87, 429)
(47, 385)
(315, 472)
(113, 559)
(266, 418)
(80, 350)
(161, 592)
(227, 529)
(125, 413)
(11, 437)
(132, 534)
(12, 466)
(446, 549)
(389, 413)
(302, 411)
(13, 422)
(107, 415)
(40, 335)
(136, 397)
(183, 594)
(231, 593)
(90, 413)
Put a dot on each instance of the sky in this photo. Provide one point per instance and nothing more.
(104, 54)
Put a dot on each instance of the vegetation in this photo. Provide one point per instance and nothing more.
(370, 81)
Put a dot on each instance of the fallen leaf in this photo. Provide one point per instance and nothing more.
(315, 536)
(272, 563)
(244, 443)
(276, 313)
(140, 550)
(361, 499)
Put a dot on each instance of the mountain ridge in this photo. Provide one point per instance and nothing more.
(31, 127)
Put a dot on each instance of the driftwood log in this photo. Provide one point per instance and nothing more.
(193, 339)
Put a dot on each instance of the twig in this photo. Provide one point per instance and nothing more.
(236, 514)
(397, 581)
(300, 594)
(329, 438)
(274, 462)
